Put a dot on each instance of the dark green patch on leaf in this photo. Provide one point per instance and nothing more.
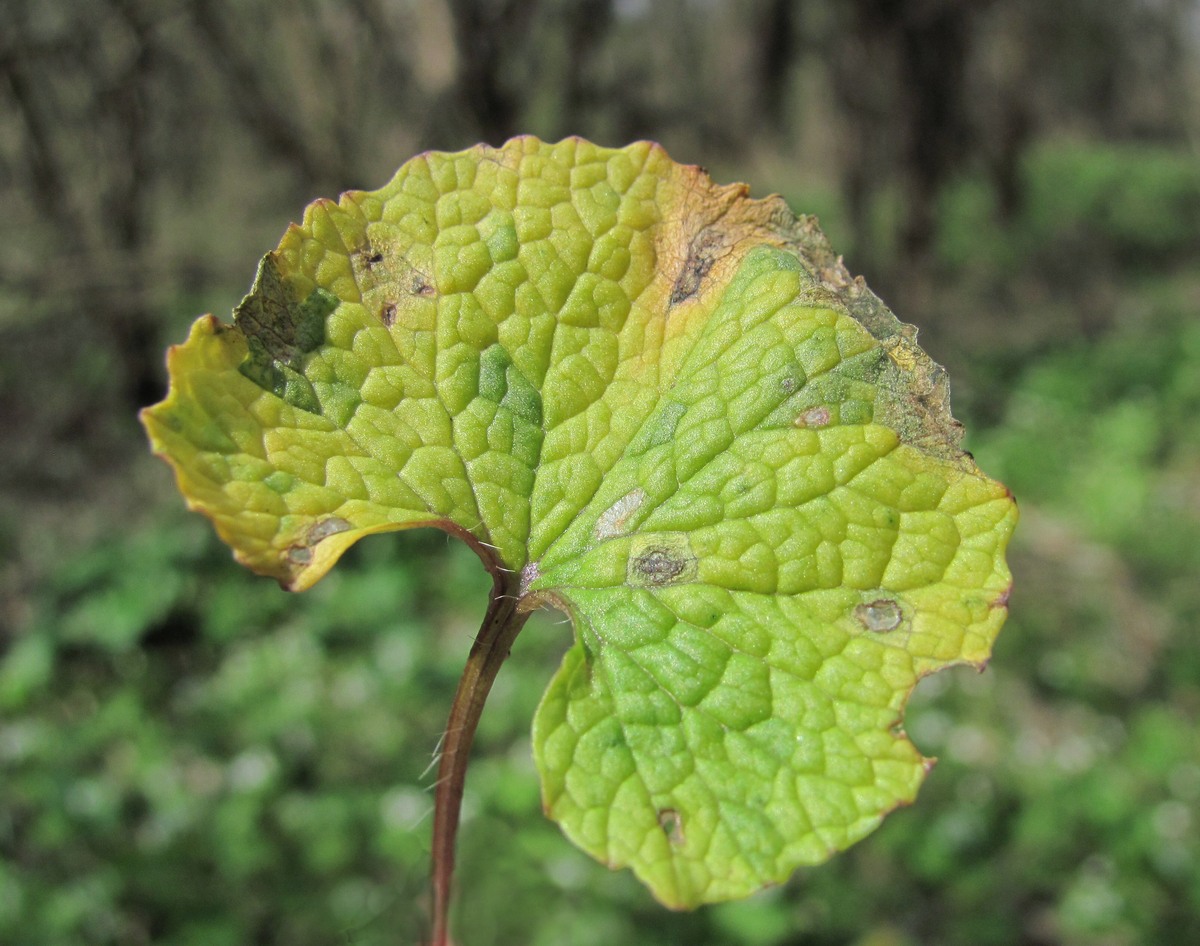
(279, 332)
(502, 382)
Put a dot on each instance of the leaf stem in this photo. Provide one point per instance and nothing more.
(499, 630)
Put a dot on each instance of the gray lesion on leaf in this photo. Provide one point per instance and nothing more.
(662, 559)
(280, 332)
(301, 553)
(671, 822)
(529, 574)
(325, 528)
(813, 417)
(881, 615)
(658, 566)
(614, 521)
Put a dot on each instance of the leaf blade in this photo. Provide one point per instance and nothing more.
(673, 411)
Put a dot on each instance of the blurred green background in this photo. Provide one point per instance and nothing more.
(190, 756)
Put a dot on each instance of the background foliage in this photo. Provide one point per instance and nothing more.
(190, 756)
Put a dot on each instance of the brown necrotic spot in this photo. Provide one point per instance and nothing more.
(366, 257)
(704, 250)
(880, 615)
(671, 822)
(387, 314)
(384, 272)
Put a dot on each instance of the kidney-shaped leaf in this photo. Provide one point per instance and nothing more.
(670, 410)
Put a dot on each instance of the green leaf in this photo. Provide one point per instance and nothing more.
(672, 411)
